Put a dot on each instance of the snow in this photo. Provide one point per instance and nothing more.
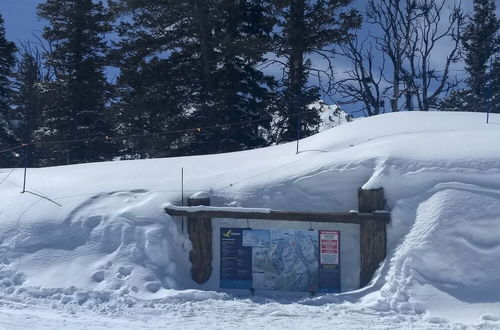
(330, 115)
(200, 195)
(107, 256)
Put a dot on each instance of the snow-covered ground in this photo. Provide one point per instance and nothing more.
(98, 251)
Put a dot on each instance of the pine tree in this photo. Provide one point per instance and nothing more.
(148, 105)
(493, 94)
(7, 62)
(459, 100)
(481, 43)
(201, 56)
(78, 92)
(305, 27)
(241, 91)
(28, 98)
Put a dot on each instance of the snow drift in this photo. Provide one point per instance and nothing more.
(99, 236)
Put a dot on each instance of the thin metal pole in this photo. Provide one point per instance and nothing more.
(182, 196)
(24, 182)
(298, 131)
(25, 167)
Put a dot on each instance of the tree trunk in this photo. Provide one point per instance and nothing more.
(296, 73)
(201, 15)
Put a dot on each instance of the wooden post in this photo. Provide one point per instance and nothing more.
(200, 234)
(372, 234)
(371, 200)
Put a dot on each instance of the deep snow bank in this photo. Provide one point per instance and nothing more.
(447, 264)
(108, 242)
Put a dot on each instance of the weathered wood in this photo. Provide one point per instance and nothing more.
(200, 233)
(334, 217)
(372, 234)
(371, 200)
(372, 229)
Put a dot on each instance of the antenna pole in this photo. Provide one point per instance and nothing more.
(182, 186)
(298, 131)
(182, 194)
(25, 167)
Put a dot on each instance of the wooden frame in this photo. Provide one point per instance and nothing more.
(372, 228)
(334, 217)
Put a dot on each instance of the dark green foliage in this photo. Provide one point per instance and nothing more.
(191, 76)
(493, 91)
(481, 43)
(459, 100)
(240, 90)
(7, 62)
(146, 105)
(195, 62)
(305, 28)
(78, 90)
(28, 100)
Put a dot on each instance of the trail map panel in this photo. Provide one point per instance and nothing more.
(236, 260)
(288, 260)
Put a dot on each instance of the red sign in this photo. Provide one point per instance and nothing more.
(329, 247)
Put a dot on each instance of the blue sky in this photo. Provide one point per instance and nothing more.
(20, 19)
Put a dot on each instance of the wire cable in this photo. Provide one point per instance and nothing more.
(13, 169)
(13, 148)
(126, 137)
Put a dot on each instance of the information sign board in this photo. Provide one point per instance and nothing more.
(289, 260)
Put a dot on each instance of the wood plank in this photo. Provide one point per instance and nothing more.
(334, 217)
(372, 234)
(372, 229)
(370, 200)
(200, 233)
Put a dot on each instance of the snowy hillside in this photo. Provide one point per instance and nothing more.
(99, 251)
(331, 115)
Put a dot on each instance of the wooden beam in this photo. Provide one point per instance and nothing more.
(372, 234)
(372, 228)
(370, 200)
(334, 217)
(200, 234)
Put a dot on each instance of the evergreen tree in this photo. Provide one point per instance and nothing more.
(79, 90)
(7, 62)
(201, 56)
(148, 104)
(494, 86)
(481, 43)
(459, 100)
(28, 98)
(305, 27)
(241, 91)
